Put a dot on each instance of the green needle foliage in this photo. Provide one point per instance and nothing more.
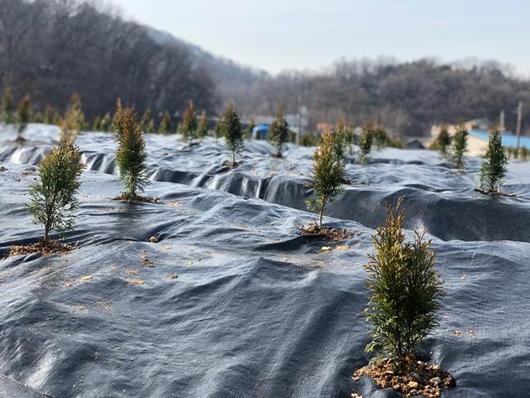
(165, 123)
(106, 122)
(23, 116)
(459, 147)
(8, 107)
(188, 127)
(49, 115)
(366, 141)
(96, 124)
(405, 291)
(345, 137)
(202, 128)
(327, 175)
(442, 142)
(147, 121)
(53, 196)
(117, 114)
(233, 132)
(219, 129)
(493, 169)
(73, 120)
(279, 132)
(130, 155)
(250, 129)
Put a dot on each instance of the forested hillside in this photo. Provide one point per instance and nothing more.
(50, 48)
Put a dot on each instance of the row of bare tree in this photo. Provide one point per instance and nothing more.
(51, 48)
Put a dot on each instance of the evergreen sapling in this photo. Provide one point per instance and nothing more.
(130, 155)
(326, 177)
(459, 147)
(279, 132)
(493, 169)
(147, 121)
(233, 132)
(165, 123)
(53, 198)
(366, 142)
(73, 120)
(8, 107)
(188, 127)
(202, 127)
(23, 116)
(405, 291)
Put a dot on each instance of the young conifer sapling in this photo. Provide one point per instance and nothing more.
(165, 123)
(53, 199)
(459, 147)
(405, 291)
(188, 127)
(73, 120)
(279, 132)
(202, 127)
(8, 107)
(233, 132)
(23, 116)
(148, 122)
(366, 141)
(130, 155)
(405, 296)
(326, 177)
(493, 169)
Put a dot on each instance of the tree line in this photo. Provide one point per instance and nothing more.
(52, 48)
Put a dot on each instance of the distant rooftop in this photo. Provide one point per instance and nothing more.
(508, 138)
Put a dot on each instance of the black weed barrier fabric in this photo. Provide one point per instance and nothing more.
(231, 301)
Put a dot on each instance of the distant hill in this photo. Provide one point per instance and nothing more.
(233, 81)
(51, 48)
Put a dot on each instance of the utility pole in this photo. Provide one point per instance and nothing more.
(502, 126)
(519, 121)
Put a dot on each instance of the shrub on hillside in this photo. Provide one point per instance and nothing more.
(366, 141)
(442, 141)
(493, 169)
(23, 116)
(189, 125)
(8, 107)
(53, 198)
(73, 120)
(130, 155)
(233, 132)
(459, 147)
(164, 126)
(405, 290)
(202, 127)
(279, 132)
(148, 122)
(327, 175)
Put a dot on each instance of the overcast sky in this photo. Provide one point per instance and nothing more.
(308, 34)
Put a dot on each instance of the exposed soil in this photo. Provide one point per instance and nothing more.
(332, 234)
(44, 248)
(136, 198)
(417, 379)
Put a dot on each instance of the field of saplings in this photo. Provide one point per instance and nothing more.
(207, 265)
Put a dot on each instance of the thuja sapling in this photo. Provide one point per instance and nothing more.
(53, 199)
(233, 132)
(279, 132)
(493, 169)
(130, 155)
(326, 177)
